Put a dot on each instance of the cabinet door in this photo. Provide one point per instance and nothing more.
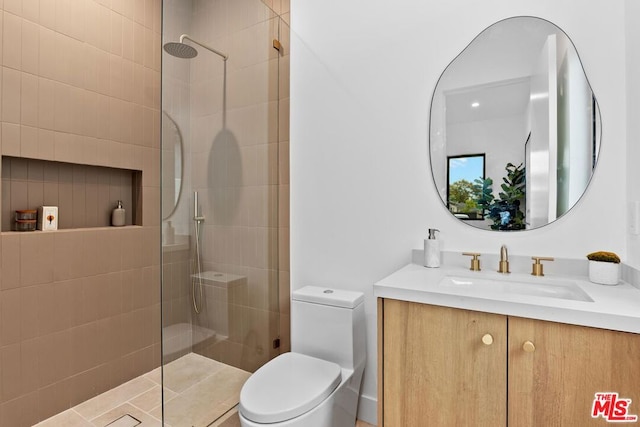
(554, 383)
(436, 369)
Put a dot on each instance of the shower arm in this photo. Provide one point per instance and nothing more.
(186, 36)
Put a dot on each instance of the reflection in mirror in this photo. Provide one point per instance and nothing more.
(462, 190)
(171, 165)
(518, 94)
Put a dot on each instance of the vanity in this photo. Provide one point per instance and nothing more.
(514, 140)
(459, 348)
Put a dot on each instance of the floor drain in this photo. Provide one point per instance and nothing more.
(125, 421)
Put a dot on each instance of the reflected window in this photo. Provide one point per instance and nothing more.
(462, 191)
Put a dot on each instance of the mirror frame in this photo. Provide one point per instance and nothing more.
(597, 128)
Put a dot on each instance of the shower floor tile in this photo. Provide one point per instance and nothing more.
(197, 391)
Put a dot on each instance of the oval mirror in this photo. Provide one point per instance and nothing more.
(171, 165)
(514, 129)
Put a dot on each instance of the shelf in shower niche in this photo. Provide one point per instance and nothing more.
(67, 230)
(84, 194)
(220, 280)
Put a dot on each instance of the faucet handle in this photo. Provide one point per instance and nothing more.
(537, 267)
(475, 262)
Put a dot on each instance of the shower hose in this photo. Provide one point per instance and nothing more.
(197, 280)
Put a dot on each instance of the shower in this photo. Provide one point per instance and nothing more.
(225, 280)
(182, 50)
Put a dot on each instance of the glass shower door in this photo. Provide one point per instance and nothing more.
(221, 314)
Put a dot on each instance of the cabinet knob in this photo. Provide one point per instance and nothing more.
(528, 347)
(487, 339)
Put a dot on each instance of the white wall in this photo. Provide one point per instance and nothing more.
(633, 124)
(362, 196)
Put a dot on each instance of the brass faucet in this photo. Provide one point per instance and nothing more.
(475, 262)
(537, 267)
(503, 266)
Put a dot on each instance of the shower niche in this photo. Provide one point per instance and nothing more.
(84, 194)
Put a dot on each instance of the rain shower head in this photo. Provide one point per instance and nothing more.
(182, 50)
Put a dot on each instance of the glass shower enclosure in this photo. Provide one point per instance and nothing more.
(220, 187)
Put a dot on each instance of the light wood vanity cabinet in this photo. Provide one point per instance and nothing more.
(441, 366)
(556, 384)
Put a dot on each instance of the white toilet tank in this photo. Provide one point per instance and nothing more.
(329, 324)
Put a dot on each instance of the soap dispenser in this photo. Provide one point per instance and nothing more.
(432, 250)
(117, 216)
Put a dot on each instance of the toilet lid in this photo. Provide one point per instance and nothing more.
(287, 386)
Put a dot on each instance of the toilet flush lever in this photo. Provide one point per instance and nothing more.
(537, 269)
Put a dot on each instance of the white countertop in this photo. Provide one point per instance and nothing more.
(613, 307)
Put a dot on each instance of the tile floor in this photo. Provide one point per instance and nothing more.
(197, 391)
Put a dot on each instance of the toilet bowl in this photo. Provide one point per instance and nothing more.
(317, 384)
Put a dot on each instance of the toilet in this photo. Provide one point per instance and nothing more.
(317, 384)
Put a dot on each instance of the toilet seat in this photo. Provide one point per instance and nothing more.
(287, 387)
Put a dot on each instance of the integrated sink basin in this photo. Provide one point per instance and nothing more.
(550, 288)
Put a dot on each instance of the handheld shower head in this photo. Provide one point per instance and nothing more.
(182, 50)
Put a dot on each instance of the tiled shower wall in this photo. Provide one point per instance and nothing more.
(239, 129)
(79, 308)
(241, 174)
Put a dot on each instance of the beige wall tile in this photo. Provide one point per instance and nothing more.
(104, 72)
(35, 193)
(103, 28)
(138, 11)
(46, 105)
(67, 258)
(36, 250)
(30, 352)
(1, 30)
(29, 146)
(20, 411)
(54, 363)
(11, 84)
(283, 249)
(283, 162)
(116, 76)
(283, 122)
(19, 196)
(29, 100)
(31, 10)
(48, 14)
(12, 41)
(29, 324)
(30, 47)
(10, 316)
(10, 376)
(10, 261)
(116, 33)
(84, 351)
(13, 6)
(47, 54)
(53, 399)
